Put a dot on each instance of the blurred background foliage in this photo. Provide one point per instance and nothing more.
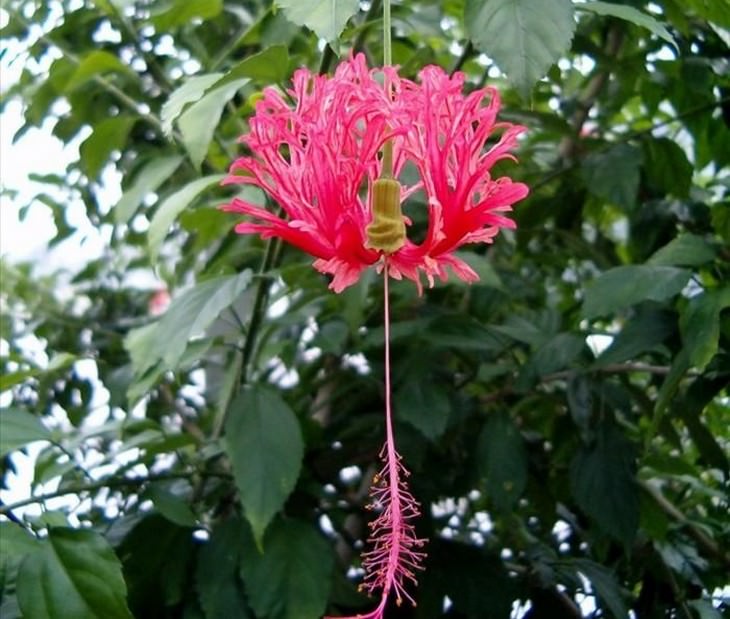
(565, 419)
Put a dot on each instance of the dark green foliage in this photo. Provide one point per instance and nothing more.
(565, 419)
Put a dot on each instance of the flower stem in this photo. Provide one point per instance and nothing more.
(387, 51)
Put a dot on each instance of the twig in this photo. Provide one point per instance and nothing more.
(703, 540)
(466, 53)
(118, 482)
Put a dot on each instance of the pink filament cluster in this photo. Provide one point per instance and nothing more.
(395, 556)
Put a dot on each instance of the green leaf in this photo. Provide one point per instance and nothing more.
(642, 333)
(291, 578)
(192, 90)
(18, 428)
(623, 286)
(198, 122)
(170, 506)
(690, 409)
(704, 609)
(16, 541)
(502, 460)
(157, 557)
(711, 10)
(558, 353)
(216, 575)
(686, 250)
(605, 585)
(629, 13)
(524, 37)
(60, 361)
(97, 62)
(602, 482)
(171, 207)
(669, 387)
(425, 405)
(270, 66)
(181, 12)
(264, 444)
(108, 135)
(700, 325)
(76, 574)
(666, 166)
(189, 315)
(326, 18)
(614, 174)
(475, 581)
(151, 176)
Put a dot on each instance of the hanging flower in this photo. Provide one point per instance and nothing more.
(341, 202)
(318, 160)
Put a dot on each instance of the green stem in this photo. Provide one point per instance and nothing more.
(387, 47)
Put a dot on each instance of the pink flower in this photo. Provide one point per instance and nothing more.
(318, 161)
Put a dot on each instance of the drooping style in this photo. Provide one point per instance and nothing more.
(332, 163)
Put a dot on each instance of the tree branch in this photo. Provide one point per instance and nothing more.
(703, 540)
(118, 482)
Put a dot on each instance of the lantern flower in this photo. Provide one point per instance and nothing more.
(318, 160)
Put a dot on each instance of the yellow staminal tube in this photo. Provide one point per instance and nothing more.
(387, 231)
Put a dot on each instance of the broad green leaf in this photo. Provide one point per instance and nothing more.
(623, 286)
(502, 460)
(171, 207)
(171, 506)
(76, 574)
(643, 332)
(605, 585)
(264, 444)
(686, 250)
(157, 556)
(667, 167)
(270, 66)
(425, 405)
(150, 177)
(603, 484)
(326, 18)
(631, 14)
(291, 578)
(97, 62)
(614, 174)
(524, 37)
(189, 315)
(557, 353)
(181, 12)
(217, 580)
(108, 135)
(198, 122)
(18, 428)
(17, 542)
(700, 325)
(192, 90)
